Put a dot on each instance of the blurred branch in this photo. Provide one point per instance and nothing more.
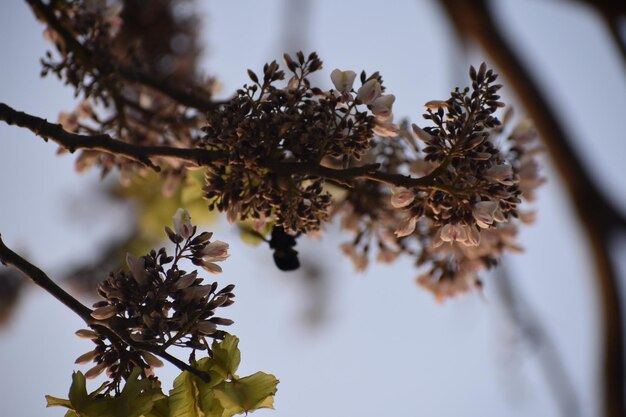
(599, 217)
(114, 328)
(186, 96)
(613, 24)
(524, 318)
(613, 12)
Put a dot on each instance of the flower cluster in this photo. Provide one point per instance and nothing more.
(462, 221)
(448, 194)
(267, 127)
(159, 304)
(133, 64)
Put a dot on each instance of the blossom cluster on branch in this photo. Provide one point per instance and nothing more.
(159, 304)
(292, 156)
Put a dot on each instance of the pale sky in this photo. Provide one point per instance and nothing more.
(384, 347)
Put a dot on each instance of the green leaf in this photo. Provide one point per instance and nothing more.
(211, 406)
(184, 398)
(78, 391)
(71, 413)
(160, 409)
(226, 356)
(247, 394)
(57, 402)
(138, 396)
(136, 399)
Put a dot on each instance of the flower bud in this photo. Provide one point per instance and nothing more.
(103, 313)
(206, 327)
(182, 223)
(86, 357)
(95, 371)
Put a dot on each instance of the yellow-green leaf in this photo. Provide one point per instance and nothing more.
(247, 394)
(185, 397)
(226, 356)
(57, 402)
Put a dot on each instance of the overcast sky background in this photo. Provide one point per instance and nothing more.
(382, 346)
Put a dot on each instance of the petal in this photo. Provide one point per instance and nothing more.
(406, 226)
(103, 313)
(402, 197)
(369, 91)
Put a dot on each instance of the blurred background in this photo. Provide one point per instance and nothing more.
(341, 342)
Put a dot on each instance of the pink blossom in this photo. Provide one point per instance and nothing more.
(214, 252)
(483, 212)
(453, 233)
(381, 107)
(402, 197)
(406, 226)
(68, 121)
(386, 129)
(369, 91)
(500, 173)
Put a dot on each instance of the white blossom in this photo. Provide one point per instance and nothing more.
(343, 80)
(369, 91)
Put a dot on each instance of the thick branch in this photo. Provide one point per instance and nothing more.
(202, 157)
(599, 217)
(102, 143)
(114, 328)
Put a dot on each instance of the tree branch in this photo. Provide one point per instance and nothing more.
(202, 157)
(599, 217)
(525, 319)
(102, 143)
(114, 328)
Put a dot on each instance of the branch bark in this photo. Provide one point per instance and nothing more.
(202, 157)
(599, 217)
